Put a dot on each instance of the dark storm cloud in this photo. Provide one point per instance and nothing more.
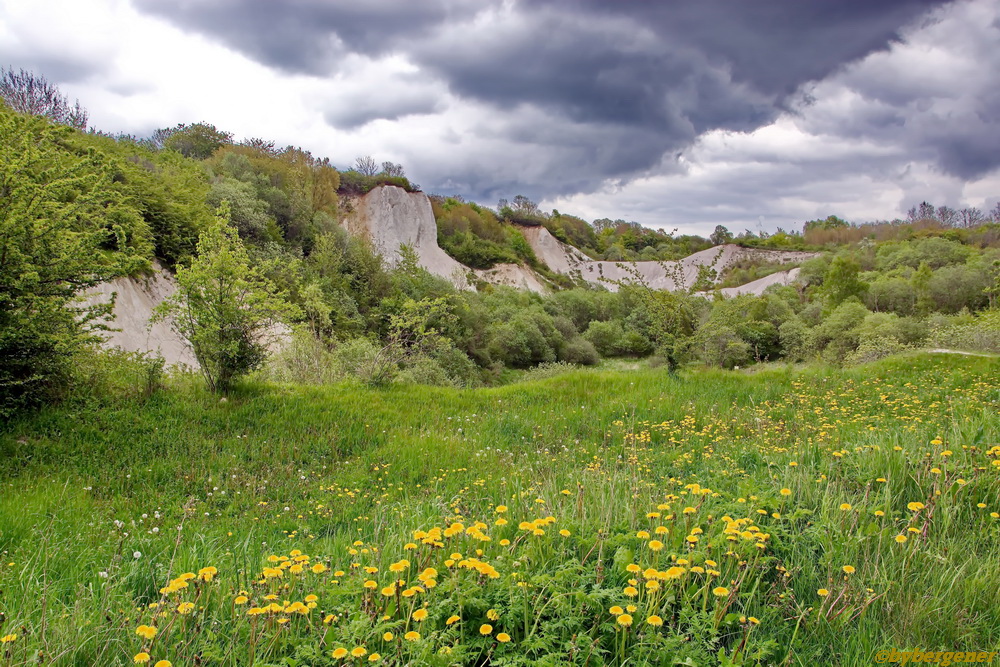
(937, 97)
(619, 84)
(57, 68)
(774, 45)
(307, 36)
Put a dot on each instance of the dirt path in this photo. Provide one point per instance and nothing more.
(942, 350)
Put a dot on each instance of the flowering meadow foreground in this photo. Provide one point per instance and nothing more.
(787, 516)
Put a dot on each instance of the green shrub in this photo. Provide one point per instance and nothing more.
(425, 370)
(303, 360)
(579, 350)
(980, 333)
(721, 346)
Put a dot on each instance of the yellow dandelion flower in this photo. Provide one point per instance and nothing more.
(359, 651)
(845, 506)
(655, 621)
(720, 591)
(822, 592)
(164, 663)
(319, 568)
(914, 506)
(503, 637)
(340, 653)
(624, 620)
(411, 636)
(616, 610)
(786, 492)
(848, 569)
(139, 659)
(485, 629)
(374, 657)
(493, 615)
(655, 545)
(146, 631)
(419, 615)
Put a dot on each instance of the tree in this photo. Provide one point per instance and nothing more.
(923, 212)
(947, 215)
(720, 236)
(25, 92)
(64, 227)
(970, 217)
(921, 282)
(842, 282)
(366, 165)
(198, 140)
(393, 170)
(225, 309)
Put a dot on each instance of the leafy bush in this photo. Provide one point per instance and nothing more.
(579, 350)
(303, 360)
(66, 225)
(967, 332)
(425, 370)
(548, 369)
(362, 359)
(357, 184)
(721, 346)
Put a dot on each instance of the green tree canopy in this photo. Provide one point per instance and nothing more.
(226, 310)
(65, 226)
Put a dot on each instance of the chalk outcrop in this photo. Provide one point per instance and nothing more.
(389, 217)
(137, 297)
(677, 275)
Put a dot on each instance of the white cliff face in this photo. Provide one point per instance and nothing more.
(137, 297)
(676, 275)
(390, 217)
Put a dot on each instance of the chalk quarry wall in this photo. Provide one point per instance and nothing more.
(677, 275)
(390, 217)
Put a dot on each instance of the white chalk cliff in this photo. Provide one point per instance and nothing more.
(389, 217)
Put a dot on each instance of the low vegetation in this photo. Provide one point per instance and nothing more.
(589, 518)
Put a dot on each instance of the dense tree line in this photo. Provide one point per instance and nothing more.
(80, 208)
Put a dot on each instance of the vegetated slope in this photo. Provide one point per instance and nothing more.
(675, 275)
(780, 535)
(390, 217)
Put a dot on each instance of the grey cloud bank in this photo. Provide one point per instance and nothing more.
(669, 113)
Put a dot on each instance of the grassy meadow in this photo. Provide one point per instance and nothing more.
(796, 516)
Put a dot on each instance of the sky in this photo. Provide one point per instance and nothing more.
(674, 114)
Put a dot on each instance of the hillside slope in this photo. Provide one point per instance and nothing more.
(677, 275)
(389, 217)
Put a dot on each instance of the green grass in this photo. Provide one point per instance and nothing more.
(280, 468)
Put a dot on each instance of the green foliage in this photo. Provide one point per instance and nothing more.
(354, 183)
(224, 308)
(197, 140)
(65, 226)
(841, 281)
(609, 456)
